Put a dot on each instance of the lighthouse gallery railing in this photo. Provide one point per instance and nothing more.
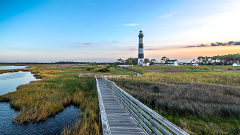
(150, 121)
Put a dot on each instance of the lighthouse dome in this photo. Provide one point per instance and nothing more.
(140, 34)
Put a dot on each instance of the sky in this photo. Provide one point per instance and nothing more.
(106, 30)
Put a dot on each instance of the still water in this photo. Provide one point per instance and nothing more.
(11, 67)
(53, 125)
(10, 81)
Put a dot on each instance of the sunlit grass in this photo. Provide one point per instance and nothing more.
(231, 78)
(200, 100)
(194, 107)
(59, 87)
(158, 68)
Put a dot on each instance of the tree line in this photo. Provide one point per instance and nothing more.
(133, 61)
(217, 60)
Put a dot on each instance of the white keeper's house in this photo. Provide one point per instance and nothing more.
(236, 64)
(172, 63)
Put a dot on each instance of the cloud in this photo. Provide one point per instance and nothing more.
(168, 15)
(133, 48)
(233, 43)
(202, 45)
(219, 44)
(236, 43)
(115, 41)
(213, 44)
(131, 24)
(150, 49)
(188, 46)
(130, 31)
(230, 43)
(189, 31)
(87, 43)
(205, 27)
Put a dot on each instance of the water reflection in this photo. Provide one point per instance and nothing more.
(54, 125)
(11, 67)
(10, 81)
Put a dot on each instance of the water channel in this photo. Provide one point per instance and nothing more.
(53, 125)
(11, 67)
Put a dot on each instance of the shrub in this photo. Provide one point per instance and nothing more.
(110, 66)
(104, 70)
(89, 69)
(205, 68)
(206, 101)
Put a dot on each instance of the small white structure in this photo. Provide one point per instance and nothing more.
(172, 63)
(146, 64)
(194, 64)
(236, 64)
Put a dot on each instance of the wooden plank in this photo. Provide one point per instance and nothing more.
(120, 121)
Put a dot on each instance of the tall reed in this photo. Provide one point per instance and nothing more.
(188, 103)
(59, 87)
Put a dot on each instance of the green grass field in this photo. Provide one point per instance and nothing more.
(164, 69)
(200, 100)
(59, 87)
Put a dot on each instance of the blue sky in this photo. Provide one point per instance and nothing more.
(105, 30)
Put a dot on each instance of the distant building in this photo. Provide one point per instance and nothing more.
(236, 64)
(172, 63)
(146, 64)
(190, 64)
(194, 64)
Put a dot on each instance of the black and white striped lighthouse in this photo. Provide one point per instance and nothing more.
(140, 49)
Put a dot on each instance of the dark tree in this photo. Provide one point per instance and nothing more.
(128, 62)
(146, 60)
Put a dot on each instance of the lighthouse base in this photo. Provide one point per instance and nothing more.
(140, 61)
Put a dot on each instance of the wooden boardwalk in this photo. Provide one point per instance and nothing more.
(120, 121)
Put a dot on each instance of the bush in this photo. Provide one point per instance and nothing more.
(230, 69)
(104, 70)
(89, 69)
(205, 68)
(110, 66)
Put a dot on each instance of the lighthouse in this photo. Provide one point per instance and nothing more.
(140, 49)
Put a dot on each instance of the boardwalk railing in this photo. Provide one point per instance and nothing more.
(102, 114)
(150, 121)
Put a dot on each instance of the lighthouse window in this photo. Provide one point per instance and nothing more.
(140, 50)
(140, 40)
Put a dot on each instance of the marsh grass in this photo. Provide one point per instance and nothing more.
(223, 78)
(158, 68)
(120, 71)
(200, 100)
(12, 70)
(58, 88)
(191, 105)
(112, 70)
